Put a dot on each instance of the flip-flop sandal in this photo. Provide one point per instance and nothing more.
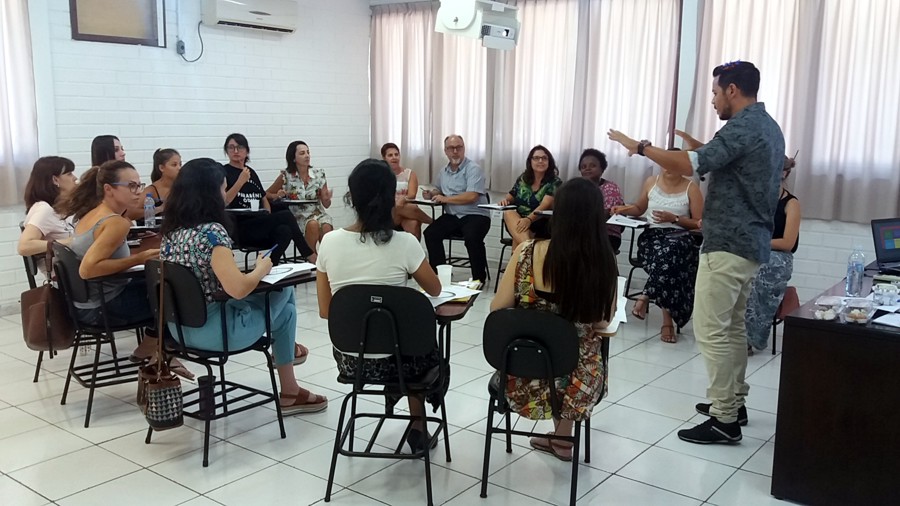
(640, 315)
(312, 403)
(545, 445)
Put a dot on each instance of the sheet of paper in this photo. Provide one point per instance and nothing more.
(495, 207)
(889, 319)
(282, 271)
(451, 292)
(625, 221)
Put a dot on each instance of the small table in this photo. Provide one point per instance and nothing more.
(246, 211)
(446, 314)
(297, 202)
(422, 202)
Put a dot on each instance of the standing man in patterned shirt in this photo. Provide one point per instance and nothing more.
(744, 162)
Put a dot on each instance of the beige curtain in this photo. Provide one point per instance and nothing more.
(18, 114)
(563, 86)
(829, 78)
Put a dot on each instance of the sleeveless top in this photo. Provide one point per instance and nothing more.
(781, 219)
(676, 203)
(403, 182)
(80, 244)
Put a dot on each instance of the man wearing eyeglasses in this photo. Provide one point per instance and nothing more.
(460, 188)
(744, 162)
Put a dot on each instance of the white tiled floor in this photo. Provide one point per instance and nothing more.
(48, 457)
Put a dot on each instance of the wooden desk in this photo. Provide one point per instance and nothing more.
(836, 436)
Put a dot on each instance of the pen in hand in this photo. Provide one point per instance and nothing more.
(269, 252)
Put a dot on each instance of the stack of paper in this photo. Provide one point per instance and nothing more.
(625, 221)
(451, 292)
(282, 271)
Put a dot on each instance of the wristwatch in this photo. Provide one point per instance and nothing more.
(641, 145)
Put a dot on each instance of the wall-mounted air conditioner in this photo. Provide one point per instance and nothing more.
(272, 15)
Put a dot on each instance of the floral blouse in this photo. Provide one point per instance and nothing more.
(526, 199)
(296, 189)
(192, 248)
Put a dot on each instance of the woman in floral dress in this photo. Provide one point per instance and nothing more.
(573, 275)
(301, 181)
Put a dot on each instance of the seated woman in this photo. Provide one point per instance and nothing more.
(371, 252)
(97, 205)
(105, 148)
(166, 164)
(301, 181)
(592, 165)
(243, 187)
(771, 280)
(532, 192)
(194, 235)
(670, 203)
(573, 275)
(52, 178)
(407, 217)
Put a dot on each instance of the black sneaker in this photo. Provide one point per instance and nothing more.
(703, 409)
(712, 431)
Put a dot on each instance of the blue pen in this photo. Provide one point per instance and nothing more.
(267, 253)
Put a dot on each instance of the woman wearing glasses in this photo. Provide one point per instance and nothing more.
(243, 188)
(97, 206)
(532, 192)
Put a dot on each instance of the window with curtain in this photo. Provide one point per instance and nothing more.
(567, 82)
(18, 113)
(828, 77)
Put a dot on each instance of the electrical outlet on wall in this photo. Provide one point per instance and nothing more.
(179, 47)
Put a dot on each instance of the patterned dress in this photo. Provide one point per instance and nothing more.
(295, 188)
(527, 199)
(581, 390)
(670, 261)
(612, 196)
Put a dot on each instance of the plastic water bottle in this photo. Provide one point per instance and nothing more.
(856, 264)
(149, 211)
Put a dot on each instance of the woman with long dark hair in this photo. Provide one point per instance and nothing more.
(573, 275)
(371, 252)
(166, 164)
(195, 234)
(299, 180)
(532, 192)
(52, 178)
(243, 187)
(106, 148)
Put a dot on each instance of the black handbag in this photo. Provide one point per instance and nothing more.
(46, 322)
(159, 389)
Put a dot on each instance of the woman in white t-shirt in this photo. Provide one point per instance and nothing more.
(371, 252)
(51, 177)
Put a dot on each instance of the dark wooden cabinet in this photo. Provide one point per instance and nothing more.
(837, 438)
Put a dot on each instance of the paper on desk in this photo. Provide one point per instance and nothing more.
(625, 221)
(889, 319)
(135, 268)
(451, 292)
(282, 271)
(495, 207)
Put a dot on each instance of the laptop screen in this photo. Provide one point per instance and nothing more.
(886, 234)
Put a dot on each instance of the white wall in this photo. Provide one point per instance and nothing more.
(311, 85)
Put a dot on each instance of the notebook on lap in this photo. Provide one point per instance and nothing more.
(886, 234)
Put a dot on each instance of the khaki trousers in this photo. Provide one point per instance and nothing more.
(720, 302)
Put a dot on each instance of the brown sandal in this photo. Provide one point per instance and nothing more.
(310, 403)
(640, 312)
(558, 449)
(667, 337)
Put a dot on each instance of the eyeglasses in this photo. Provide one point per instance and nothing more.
(540, 158)
(133, 187)
(235, 147)
(454, 148)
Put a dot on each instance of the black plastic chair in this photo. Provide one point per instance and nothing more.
(506, 242)
(185, 306)
(391, 320)
(531, 344)
(99, 373)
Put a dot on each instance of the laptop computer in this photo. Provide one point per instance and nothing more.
(886, 234)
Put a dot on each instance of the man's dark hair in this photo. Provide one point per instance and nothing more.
(743, 74)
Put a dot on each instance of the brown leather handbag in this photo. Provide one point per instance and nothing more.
(46, 322)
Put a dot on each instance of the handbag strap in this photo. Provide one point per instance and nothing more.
(160, 329)
(48, 259)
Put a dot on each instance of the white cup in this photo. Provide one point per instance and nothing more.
(445, 274)
(254, 205)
